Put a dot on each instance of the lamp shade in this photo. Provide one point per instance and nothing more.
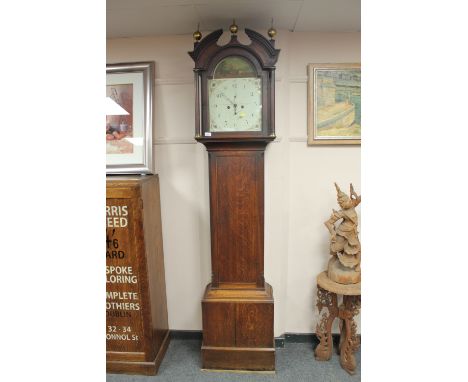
(113, 108)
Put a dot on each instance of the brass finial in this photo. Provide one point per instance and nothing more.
(197, 34)
(272, 31)
(233, 28)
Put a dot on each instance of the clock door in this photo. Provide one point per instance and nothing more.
(234, 97)
(236, 185)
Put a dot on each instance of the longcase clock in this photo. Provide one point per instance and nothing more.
(235, 94)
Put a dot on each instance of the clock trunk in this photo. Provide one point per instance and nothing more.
(236, 205)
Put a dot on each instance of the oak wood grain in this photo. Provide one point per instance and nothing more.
(135, 199)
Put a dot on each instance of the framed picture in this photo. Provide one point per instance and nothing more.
(129, 118)
(334, 104)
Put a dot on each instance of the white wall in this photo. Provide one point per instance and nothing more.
(299, 191)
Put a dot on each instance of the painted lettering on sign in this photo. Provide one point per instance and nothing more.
(113, 250)
(120, 275)
(120, 333)
(116, 216)
(123, 304)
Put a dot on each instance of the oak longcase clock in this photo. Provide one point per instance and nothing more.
(235, 87)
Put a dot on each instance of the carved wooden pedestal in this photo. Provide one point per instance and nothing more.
(327, 291)
(137, 332)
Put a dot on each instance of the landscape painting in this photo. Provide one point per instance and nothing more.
(334, 104)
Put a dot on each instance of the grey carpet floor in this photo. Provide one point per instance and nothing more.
(295, 362)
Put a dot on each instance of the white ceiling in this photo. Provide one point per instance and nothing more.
(134, 18)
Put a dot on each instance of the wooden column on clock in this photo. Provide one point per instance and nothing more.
(237, 306)
(137, 334)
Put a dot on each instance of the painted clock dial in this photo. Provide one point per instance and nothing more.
(235, 97)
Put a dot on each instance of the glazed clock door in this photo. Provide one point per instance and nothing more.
(235, 97)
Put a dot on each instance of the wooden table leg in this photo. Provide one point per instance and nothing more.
(325, 299)
(349, 341)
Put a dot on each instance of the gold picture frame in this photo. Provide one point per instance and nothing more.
(334, 104)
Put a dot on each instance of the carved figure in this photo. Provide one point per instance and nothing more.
(345, 265)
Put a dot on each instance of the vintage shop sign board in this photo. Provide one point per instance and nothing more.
(123, 289)
(137, 332)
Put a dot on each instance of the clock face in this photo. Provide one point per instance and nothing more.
(235, 104)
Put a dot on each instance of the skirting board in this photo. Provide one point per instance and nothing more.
(279, 341)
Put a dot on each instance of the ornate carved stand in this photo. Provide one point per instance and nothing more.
(327, 297)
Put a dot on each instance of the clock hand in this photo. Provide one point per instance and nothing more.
(228, 99)
(233, 104)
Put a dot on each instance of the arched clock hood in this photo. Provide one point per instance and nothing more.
(263, 55)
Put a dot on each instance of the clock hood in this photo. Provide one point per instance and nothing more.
(262, 48)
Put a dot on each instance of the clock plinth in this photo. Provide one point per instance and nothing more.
(238, 328)
(235, 121)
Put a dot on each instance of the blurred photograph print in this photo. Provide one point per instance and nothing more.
(119, 127)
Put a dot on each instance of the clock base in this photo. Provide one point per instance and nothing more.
(249, 359)
(238, 328)
(129, 363)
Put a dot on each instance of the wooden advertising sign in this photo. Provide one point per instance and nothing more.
(137, 333)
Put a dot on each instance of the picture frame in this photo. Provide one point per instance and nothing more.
(129, 118)
(334, 104)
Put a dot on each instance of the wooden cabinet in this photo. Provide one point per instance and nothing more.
(137, 331)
